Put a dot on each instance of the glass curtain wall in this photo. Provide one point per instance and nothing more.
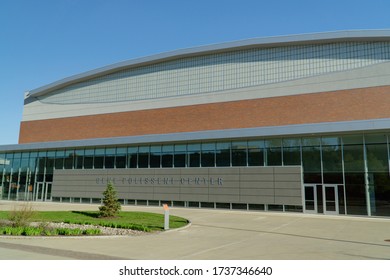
(193, 155)
(223, 154)
(167, 156)
(354, 174)
(332, 173)
(239, 153)
(292, 151)
(377, 158)
(109, 158)
(180, 155)
(357, 165)
(120, 157)
(256, 152)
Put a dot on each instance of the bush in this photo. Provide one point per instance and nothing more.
(111, 205)
(21, 217)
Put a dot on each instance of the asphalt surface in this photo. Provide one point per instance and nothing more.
(216, 234)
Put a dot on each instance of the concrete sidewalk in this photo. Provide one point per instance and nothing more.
(217, 234)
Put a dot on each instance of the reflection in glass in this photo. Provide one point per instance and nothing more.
(155, 156)
(291, 155)
(79, 158)
(88, 158)
(208, 155)
(239, 153)
(59, 160)
(311, 159)
(194, 155)
(180, 155)
(120, 158)
(223, 154)
(256, 153)
(355, 193)
(50, 162)
(109, 158)
(377, 157)
(132, 157)
(167, 156)
(143, 157)
(99, 159)
(273, 153)
(69, 159)
(379, 186)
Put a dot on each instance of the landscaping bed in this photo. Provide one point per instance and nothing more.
(83, 223)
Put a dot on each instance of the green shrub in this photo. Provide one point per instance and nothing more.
(48, 232)
(125, 226)
(12, 230)
(69, 231)
(31, 231)
(92, 231)
(8, 231)
(42, 231)
(63, 231)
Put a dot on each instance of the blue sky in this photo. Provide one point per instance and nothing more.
(42, 41)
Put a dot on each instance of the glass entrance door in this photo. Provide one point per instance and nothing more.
(331, 200)
(311, 199)
(48, 191)
(39, 191)
(43, 191)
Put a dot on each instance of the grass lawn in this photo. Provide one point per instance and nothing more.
(133, 220)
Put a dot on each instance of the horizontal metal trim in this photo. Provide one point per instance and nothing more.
(274, 131)
(325, 37)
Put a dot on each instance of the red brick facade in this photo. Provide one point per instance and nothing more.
(345, 105)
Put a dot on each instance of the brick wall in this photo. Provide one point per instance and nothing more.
(346, 105)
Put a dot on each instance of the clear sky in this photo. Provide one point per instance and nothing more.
(42, 41)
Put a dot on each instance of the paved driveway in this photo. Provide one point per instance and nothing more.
(217, 234)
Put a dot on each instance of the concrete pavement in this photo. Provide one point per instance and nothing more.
(217, 234)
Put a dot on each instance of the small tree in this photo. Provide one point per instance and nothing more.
(111, 205)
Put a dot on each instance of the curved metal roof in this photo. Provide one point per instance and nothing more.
(315, 38)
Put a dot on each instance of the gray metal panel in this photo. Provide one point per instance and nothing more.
(288, 200)
(258, 199)
(355, 35)
(219, 185)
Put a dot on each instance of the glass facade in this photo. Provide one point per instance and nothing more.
(342, 174)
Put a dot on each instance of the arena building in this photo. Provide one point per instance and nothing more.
(291, 123)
